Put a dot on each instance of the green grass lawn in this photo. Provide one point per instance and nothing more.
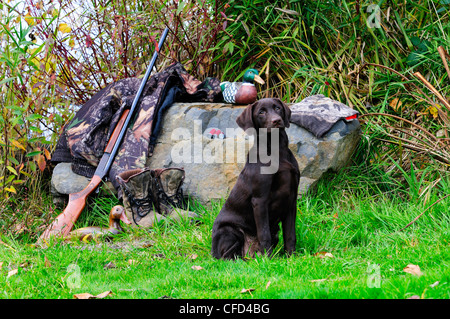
(348, 246)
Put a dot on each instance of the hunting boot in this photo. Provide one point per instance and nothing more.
(138, 200)
(167, 189)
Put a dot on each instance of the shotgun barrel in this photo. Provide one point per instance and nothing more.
(136, 99)
(63, 224)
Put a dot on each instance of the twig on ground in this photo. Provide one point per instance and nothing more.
(433, 89)
(443, 55)
(415, 219)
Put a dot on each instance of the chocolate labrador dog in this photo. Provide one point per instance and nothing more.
(248, 223)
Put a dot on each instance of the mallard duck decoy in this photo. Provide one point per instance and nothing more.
(116, 215)
(242, 92)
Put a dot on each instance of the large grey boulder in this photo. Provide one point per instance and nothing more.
(213, 165)
(212, 177)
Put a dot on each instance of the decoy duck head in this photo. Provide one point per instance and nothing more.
(252, 75)
(116, 215)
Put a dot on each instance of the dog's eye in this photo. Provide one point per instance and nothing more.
(262, 111)
(277, 108)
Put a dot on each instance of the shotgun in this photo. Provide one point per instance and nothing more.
(63, 224)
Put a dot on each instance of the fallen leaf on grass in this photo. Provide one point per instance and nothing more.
(12, 272)
(413, 269)
(132, 262)
(104, 294)
(323, 254)
(395, 104)
(1, 265)
(247, 290)
(434, 284)
(268, 284)
(86, 295)
(47, 262)
(193, 256)
(318, 280)
(197, 267)
(413, 297)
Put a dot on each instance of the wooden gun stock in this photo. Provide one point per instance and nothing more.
(63, 224)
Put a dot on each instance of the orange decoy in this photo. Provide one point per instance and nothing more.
(85, 234)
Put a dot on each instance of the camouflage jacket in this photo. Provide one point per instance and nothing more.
(85, 137)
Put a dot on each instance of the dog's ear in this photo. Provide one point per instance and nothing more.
(286, 111)
(245, 120)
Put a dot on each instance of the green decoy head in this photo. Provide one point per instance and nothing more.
(252, 75)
